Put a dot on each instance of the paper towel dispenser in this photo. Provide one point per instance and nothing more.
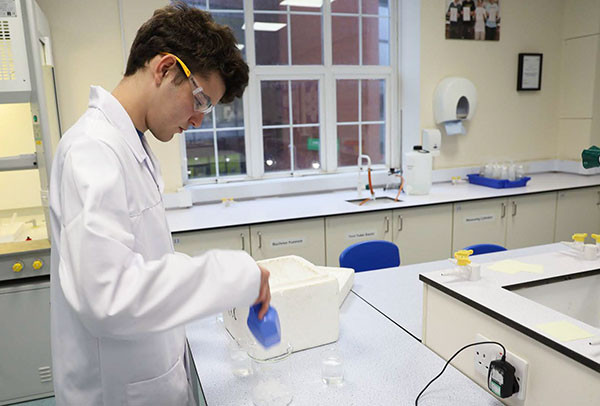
(454, 100)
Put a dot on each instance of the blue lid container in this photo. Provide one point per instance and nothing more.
(267, 331)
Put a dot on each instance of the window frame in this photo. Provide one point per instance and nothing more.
(327, 75)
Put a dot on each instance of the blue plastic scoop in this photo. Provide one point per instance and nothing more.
(267, 331)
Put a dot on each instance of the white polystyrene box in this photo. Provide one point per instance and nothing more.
(307, 300)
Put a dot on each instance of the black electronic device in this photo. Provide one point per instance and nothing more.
(501, 378)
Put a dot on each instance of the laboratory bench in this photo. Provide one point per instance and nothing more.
(383, 365)
(282, 208)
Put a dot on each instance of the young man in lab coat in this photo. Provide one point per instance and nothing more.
(120, 294)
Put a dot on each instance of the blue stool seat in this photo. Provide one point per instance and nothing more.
(479, 249)
(369, 255)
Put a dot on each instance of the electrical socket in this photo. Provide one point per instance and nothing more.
(486, 353)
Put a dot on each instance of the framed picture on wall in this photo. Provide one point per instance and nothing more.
(473, 19)
(530, 72)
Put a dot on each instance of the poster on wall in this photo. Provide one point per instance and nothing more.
(473, 19)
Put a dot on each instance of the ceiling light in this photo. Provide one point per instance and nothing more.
(272, 27)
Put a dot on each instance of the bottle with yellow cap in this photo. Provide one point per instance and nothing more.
(464, 266)
(577, 243)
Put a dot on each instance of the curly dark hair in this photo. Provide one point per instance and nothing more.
(202, 44)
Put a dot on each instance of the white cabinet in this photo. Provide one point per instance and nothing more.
(479, 222)
(514, 222)
(343, 231)
(530, 220)
(577, 211)
(423, 234)
(196, 242)
(305, 238)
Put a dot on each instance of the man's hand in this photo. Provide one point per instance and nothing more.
(264, 295)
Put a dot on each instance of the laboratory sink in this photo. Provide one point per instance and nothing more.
(575, 295)
(374, 202)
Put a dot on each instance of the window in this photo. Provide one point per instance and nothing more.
(322, 86)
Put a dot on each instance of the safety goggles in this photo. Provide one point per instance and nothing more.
(202, 102)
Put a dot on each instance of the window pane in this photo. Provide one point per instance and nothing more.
(347, 100)
(270, 33)
(344, 6)
(235, 21)
(223, 4)
(275, 102)
(207, 122)
(230, 115)
(276, 144)
(232, 152)
(197, 3)
(306, 40)
(380, 7)
(376, 41)
(373, 142)
(305, 101)
(200, 153)
(306, 143)
(347, 136)
(268, 5)
(345, 40)
(373, 100)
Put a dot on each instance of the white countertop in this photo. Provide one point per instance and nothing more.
(398, 292)
(216, 215)
(526, 314)
(382, 366)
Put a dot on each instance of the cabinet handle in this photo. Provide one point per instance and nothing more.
(598, 204)
(514, 205)
(503, 211)
(400, 223)
(259, 239)
(243, 241)
(387, 224)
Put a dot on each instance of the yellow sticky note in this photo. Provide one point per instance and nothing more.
(564, 331)
(512, 267)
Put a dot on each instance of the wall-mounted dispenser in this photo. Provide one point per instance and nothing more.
(454, 100)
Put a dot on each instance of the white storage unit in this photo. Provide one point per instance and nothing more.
(577, 211)
(423, 234)
(479, 222)
(196, 242)
(530, 220)
(343, 231)
(305, 238)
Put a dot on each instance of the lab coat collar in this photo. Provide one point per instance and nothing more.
(115, 113)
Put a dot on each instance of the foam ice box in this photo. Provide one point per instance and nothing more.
(307, 299)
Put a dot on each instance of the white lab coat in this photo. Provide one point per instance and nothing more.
(120, 295)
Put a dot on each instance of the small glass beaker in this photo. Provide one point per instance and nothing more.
(332, 367)
(273, 382)
(241, 365)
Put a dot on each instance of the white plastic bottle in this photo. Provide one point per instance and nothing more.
(417, 175)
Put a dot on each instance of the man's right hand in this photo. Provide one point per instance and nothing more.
(264, 294)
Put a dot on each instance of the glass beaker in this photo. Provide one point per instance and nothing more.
(273, 382)
(241, 365)
(332, 367)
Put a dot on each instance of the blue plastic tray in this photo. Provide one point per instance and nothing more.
(497, 183)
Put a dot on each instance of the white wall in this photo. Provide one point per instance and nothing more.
(507, 124)
(88, 50)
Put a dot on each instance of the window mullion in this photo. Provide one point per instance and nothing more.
(252, 107)
(329, 105)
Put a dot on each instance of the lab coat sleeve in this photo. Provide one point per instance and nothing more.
(117, 293)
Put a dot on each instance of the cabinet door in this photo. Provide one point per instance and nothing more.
(25, 361)
(577, 211)
(423, 234)
(305, 238)
(196, 242)
(479, 222)
(343, 231)
(530, 220)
